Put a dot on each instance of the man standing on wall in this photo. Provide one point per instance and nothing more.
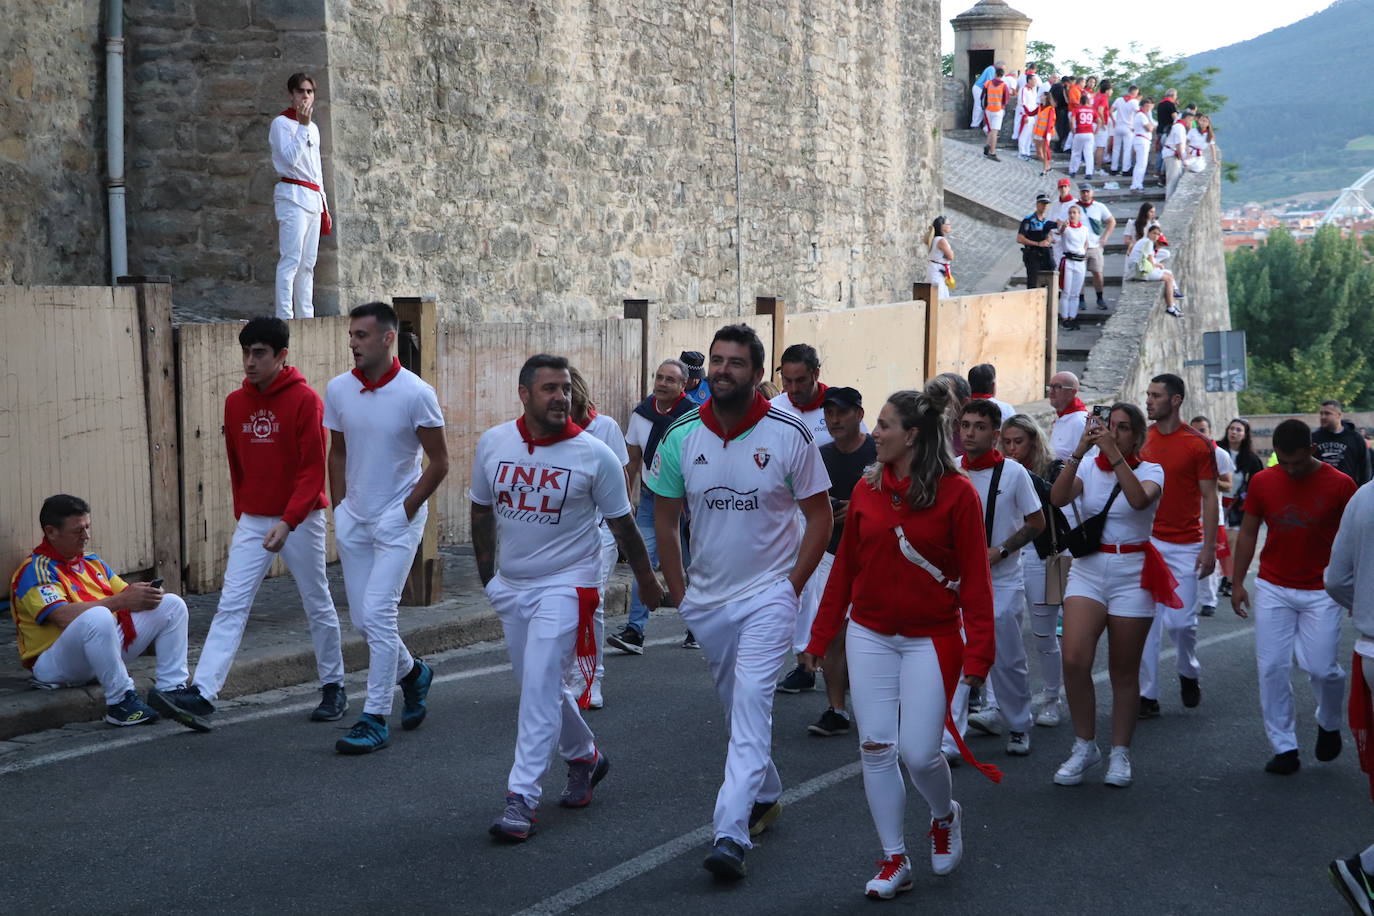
(302, 210)
(381, 417)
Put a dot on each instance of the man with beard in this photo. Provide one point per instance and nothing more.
(744, 468)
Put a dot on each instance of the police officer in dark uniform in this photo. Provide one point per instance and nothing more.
(1034, 238)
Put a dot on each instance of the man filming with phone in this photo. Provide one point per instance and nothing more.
(77, 620)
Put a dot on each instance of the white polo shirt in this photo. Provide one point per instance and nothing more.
(547, 505)
(1015, 500)
(1066, 432)
(383, 449)
(814, 420)
(742, 495)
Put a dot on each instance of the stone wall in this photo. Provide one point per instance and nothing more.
(52, 122)
(204, 80)
(1140, 340)
(551, 159)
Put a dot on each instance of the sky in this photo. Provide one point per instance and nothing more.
(1196, 25)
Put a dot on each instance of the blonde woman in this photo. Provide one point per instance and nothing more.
(910, 568)
(941, 255)
(1024, 442)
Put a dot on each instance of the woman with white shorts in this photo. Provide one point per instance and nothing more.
(1113, 589)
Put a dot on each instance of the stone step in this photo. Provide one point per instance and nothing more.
(1078, 365)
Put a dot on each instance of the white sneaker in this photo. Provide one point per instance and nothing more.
(893, 875)
(1018, 744)
(1049, 714)
(1085, 756)
(947, 841)
(1119, 768)
(987, 721)
(596, 700)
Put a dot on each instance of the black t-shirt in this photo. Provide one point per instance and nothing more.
(845, 471)
(1165, 112)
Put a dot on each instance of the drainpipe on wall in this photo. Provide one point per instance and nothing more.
(114, 137)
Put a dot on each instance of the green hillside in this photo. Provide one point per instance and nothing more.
(1300, 110)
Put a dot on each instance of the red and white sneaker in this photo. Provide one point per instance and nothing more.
(947, 842)
(894, 875)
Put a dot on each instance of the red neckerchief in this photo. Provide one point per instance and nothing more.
(1074, 407)
(288, 113)
(124, 618)
(815, 403)
(1073, 225)
(752, 416)
(983, 462)
(1104, 465)
(569, 430)
(369, 385)
(980, 397)
(591, 415)
(1064, 200)
(894, 487)
(664, 413)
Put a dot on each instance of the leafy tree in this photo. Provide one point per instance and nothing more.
(1154, 72)
(1042, 54)
(947, 64)
(1304, 308)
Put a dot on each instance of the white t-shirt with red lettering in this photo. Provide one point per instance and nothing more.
(547, 505)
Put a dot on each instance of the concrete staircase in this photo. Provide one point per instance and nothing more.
(1074, 346)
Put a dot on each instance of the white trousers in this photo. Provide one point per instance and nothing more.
(376, 555)
(1207, 589)
(541, 636)
(1180, 622)
(298, 240)
(1082, 154)
(745, 643)
(1009, 680)
(811, 602)
(303, 554)
(899, 704)
(91, 647)
(1044, 620)
(1073, 287)
(1173, 171)
(1123, 148)
(1025, 144)
(1306, 622)
(977, 107)
(1140, 151)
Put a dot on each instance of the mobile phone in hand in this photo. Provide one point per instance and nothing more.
(156, 583)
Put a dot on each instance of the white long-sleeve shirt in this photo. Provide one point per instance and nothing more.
(296, 154)
(1349, 577)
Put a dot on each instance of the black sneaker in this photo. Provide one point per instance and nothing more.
(1179, 294)
(762, 816)
(627, 640)
(726, 860)
(1224, 590)
(1189, 691)
(1101, 304)
(797, 680)
(1328, 744)
(1285, 764)
(1207, 610)
(333, 704)
(1354, 884)
(690, 642)
(831, 723)
(168, 704)
(1149, 709)
(191, 699)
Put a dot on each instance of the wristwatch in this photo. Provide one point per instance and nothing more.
(1003, 552)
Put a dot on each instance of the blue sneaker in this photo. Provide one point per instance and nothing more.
(180, 704)
(368, 734)
(130, 711)
(413, 692)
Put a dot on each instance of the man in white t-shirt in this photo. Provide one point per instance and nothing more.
(298, 198)
(1101, 224)
(1142, 132)
(1175, 151)
(540, 486)
(1123, 113)
(744, 468)
(982, 379)
(381, 418)
(802, 392)
(1010, 500)
(1071, 415)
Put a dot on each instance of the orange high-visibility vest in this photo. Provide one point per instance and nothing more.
(1044, 122)
(994, 95)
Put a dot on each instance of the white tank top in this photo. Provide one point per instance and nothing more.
(936, 255)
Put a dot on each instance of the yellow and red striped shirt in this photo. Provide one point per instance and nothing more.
(42, 583)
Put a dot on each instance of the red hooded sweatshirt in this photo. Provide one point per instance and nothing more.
(275, 444)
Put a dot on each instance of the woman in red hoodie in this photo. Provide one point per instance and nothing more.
(910, 567)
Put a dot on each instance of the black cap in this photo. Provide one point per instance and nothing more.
(1043, 199)
(847, 398)
(695, 363)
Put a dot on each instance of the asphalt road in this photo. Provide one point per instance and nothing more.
(263, 816)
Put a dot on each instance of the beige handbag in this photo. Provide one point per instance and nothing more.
(1056, 570)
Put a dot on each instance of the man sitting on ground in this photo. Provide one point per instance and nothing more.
(77, 620)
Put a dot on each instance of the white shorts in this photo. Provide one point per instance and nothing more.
(1101, 137)
(993, 120)
(1112, 579)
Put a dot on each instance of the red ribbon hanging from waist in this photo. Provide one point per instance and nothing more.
(125, 621)
(588, 600)
(1155, 575)
(326, 222)
(1361, 712)
(949, 650)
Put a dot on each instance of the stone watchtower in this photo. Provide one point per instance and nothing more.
(988, 32)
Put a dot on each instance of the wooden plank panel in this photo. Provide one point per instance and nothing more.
(667, 339)
(72, 419)
(478, 369)
(878, 349)
(1005, 329)
(210, 366)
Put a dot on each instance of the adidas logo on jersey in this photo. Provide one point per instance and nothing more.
(700, 459)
